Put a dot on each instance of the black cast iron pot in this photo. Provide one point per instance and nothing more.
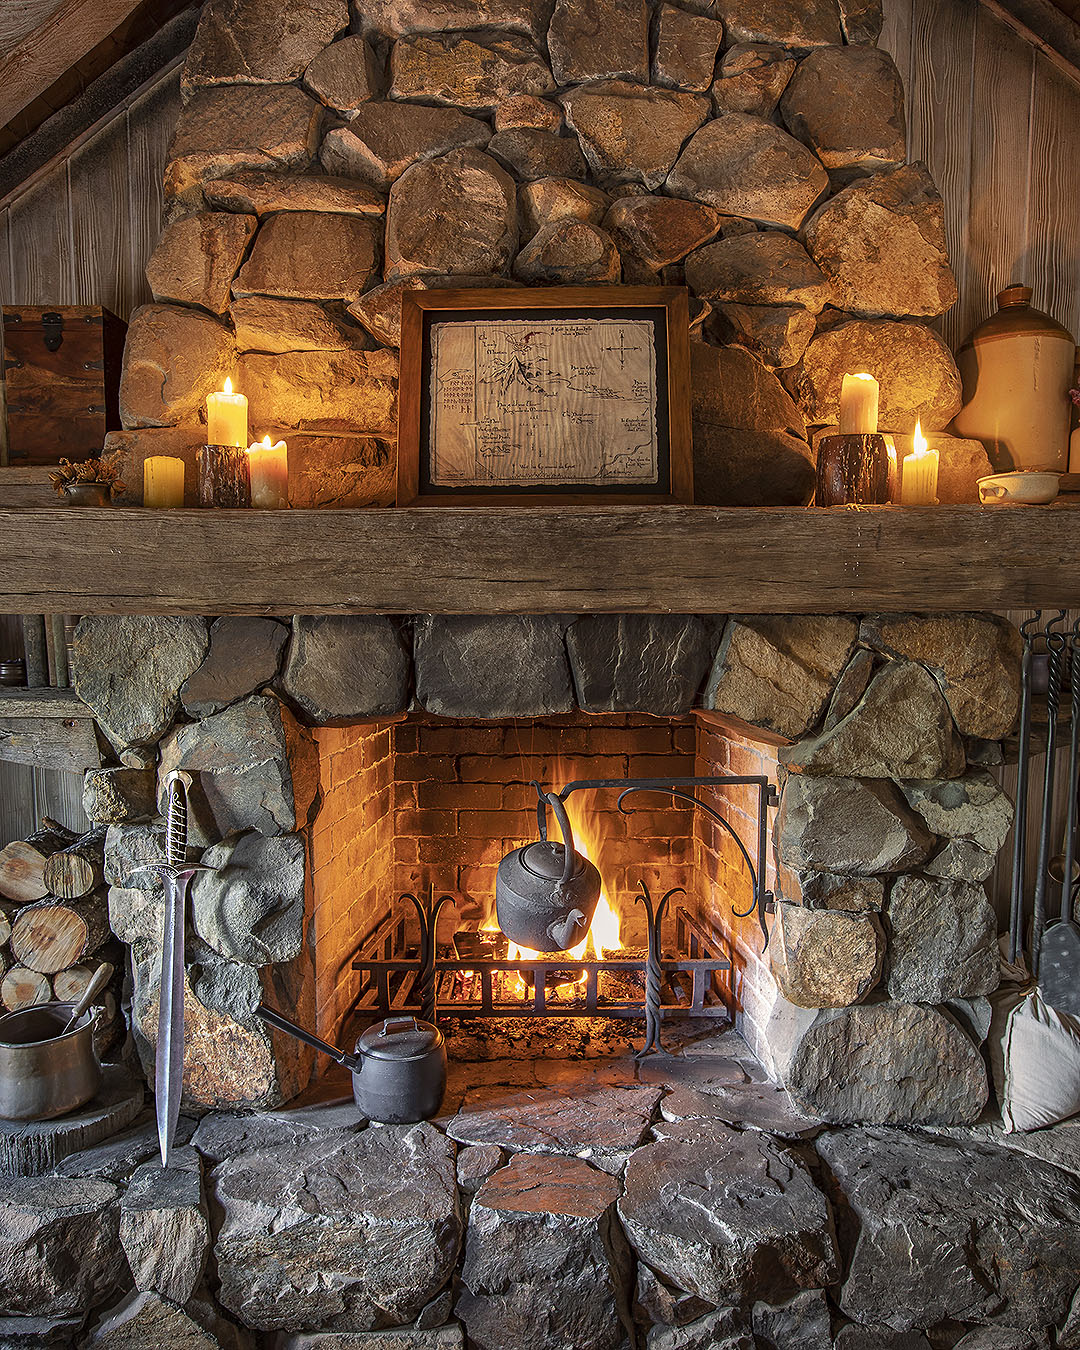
(398, 1068)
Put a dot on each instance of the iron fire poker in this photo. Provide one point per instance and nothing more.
(176, 872)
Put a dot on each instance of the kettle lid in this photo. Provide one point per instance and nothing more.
(546, 860)
(399, 1038)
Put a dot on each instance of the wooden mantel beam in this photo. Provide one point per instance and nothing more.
(499, 561)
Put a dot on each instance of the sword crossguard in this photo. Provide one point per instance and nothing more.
(166, 869)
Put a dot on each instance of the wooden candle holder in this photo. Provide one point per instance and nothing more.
(853, 470)
(224, 476)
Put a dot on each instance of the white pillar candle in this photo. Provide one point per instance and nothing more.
(858, 405)
(163, 481)
(269, 465)
(227, 418)
(919, 487)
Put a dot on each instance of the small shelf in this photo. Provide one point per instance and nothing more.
(502, 560)
(62, 704)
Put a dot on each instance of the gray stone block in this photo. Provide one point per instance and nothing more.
(253, 765)
(341, 669)
(901, 728)
(847, 826)
(338, 1233)
(129, 670)
(252, 907)
(165, 1226)
(887, 1064)
(537, 1226)
(950, 1230)
(492, 666)
(942, 941)
(244, 654)
(59, 1245)
(651, 663)
(728, 1215)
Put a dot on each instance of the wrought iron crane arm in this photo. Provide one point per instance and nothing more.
(767, 797)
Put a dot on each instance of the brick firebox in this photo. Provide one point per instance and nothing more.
(429, 800)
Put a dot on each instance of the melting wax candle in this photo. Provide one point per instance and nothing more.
(919, 487)
(269, 465)
(163, 481)
(858, 405)
(227, 418)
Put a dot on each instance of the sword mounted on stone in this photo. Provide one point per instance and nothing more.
(176, 872)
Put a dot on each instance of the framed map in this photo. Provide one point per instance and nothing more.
(521, 395)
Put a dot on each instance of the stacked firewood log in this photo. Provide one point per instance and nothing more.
(54, 922)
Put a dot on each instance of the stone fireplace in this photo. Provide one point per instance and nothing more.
(340, 761)
(343, 762)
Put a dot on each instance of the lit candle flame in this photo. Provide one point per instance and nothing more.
(919, 442)
(265, 442)
(228, 385)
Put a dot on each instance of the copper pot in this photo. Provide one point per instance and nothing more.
(44, 1074)
(87, 494)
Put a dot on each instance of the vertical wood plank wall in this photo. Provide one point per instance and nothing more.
(81, 233)
(998, 124)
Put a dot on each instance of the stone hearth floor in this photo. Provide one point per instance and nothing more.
(569, 1200)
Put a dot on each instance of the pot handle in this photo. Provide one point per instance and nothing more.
(409, 1022)
(567, 834)
(282, 1023)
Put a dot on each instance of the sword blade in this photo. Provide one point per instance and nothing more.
(169, 1056)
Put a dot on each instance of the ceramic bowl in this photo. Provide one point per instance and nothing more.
(1036, 489)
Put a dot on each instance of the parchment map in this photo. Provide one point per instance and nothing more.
(526, 402)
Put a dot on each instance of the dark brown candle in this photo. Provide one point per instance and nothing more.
(852, 470)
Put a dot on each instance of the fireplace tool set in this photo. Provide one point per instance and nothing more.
(1055, 938)
(546, 895)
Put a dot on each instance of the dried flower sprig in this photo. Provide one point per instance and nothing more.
(105, 470)
(1074, 394)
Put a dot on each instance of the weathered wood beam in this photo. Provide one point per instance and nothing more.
(42, 56)
(498, 561)
(64, 704)
(49, 743)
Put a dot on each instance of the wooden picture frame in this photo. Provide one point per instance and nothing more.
(505, 354)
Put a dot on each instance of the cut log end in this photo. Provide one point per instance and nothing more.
(53, 934)
(22, 988)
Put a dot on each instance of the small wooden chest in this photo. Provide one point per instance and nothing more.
(62, 381)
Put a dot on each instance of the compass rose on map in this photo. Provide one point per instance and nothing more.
(622, 349)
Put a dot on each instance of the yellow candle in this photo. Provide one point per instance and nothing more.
(163, 481)
(269, 465)
(226, 418)
(858, 405)
(919, 487)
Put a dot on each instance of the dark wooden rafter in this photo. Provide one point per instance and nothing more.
(1052, 26)
(500, 561)
(75, 42)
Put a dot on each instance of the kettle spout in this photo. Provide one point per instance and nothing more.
(564, 932)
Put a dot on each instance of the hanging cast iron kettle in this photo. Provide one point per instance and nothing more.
(545, 893)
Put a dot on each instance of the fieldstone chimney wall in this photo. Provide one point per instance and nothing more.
(330, 157)
(880, 732)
